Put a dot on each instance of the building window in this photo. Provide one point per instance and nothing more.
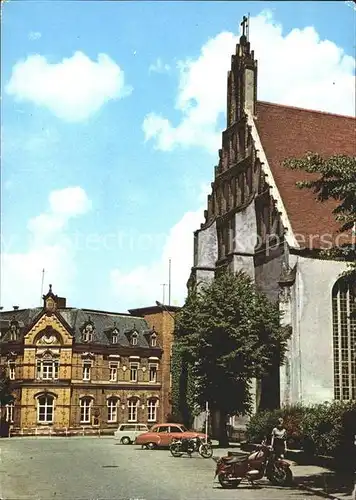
(86, 370)
(13, 331)
(113, 372)
(153, 340)
(344, 341)
(112, 410)
(47, 369)
(85, 410)
(9, 413)
(133, 407)
(115, 338)
(12, 370)
(134, 338)
(45, 409)
(133, 372)
(153, 373)
(87, 333)
(152, 410)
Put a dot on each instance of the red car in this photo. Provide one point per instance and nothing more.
(161, 435)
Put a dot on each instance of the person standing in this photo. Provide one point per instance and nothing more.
(279, 439)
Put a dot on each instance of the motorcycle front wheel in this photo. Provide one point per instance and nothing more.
(206, 450)
(280, 476)
(175, 449)
(227, 483)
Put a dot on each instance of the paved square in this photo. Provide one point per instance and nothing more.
(99, 468)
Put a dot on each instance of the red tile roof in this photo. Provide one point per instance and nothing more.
(290, 132)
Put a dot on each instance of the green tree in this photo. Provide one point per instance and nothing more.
(334, 178)
(6, 396)
(228, 334)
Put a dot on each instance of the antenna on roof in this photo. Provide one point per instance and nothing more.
(43, 273)
(163, 285)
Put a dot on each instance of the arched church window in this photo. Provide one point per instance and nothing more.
(344, 340)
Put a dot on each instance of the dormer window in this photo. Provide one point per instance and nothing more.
(88, 333)
(134, 338)
(153, 340)
(115, 337)
(13, 330)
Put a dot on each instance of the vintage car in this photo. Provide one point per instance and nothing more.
(161, 435)
(127, 433)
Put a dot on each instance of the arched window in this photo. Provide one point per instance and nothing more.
(344, 341)
(85, 410)
(45, 409)
(133, 409)
(153, 340)
(112, 409)
(152, 406)
(134, 338)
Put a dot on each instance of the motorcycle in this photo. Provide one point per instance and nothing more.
(189, 446)
(261, 463)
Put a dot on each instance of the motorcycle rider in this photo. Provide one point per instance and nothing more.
(279, 439)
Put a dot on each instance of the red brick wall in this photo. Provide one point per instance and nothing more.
(164, 326)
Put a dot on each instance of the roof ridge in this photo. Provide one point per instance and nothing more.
(106, 312)
(306, 109)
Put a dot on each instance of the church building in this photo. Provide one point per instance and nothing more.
(258, 221)
(82, 371)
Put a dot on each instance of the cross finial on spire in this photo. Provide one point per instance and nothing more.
(245, 25)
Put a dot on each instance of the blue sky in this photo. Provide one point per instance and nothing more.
(106, 160)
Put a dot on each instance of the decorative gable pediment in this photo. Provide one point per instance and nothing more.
(47, 337)
(45, 327)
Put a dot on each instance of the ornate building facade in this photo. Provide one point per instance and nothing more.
(258, 221)
(80, 370)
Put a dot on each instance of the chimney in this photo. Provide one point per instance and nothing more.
(15, 308)
(61, 302)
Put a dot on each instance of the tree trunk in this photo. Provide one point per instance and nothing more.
(218, 422)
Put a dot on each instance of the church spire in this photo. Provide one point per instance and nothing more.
(242, 78)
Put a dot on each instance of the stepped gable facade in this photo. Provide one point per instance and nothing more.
(257, 220)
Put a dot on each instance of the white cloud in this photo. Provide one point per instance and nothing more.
(295, 68)
(73, 89)
(34, 35)
(49, 248)
(159, 67)
(142, 286)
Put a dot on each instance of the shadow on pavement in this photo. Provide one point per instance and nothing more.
(329, 482)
